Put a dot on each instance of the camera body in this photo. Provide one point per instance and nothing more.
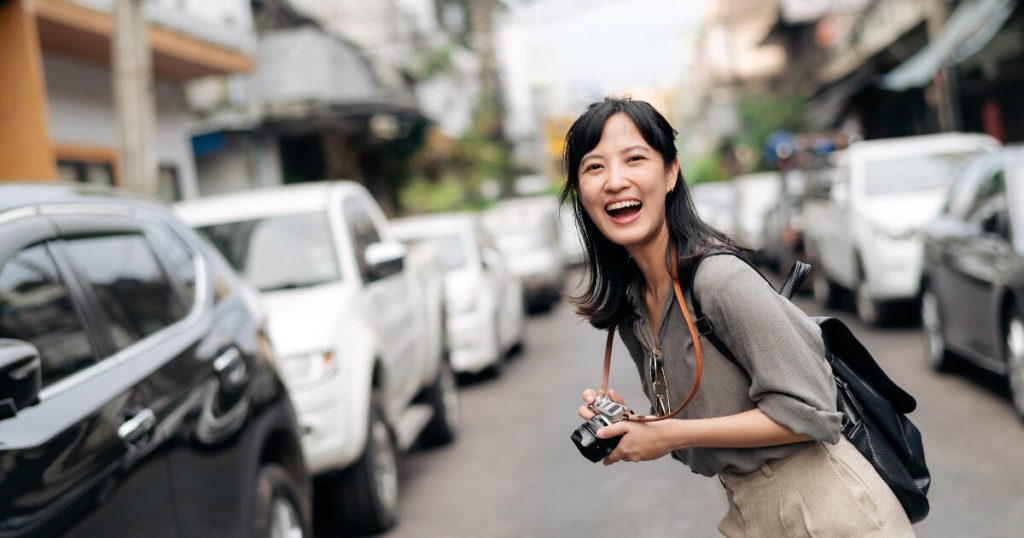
(585, 438)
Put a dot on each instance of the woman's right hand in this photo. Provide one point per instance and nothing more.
(590, 395)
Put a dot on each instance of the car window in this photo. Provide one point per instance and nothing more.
(916, 173)
(35, 307)
(178, 259)
(991, 187)
(963, 190)
(279, 252)
(129, 284)
(989, 201)
(362, 231)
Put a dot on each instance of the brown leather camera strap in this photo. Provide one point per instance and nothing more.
(696, 347)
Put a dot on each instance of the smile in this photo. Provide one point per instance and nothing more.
(623, 211)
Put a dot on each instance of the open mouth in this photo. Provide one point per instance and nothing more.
(623, 210)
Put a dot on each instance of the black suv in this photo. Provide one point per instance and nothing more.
(138, 391)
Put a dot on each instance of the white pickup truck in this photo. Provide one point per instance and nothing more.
(862, 232)
(357, 319)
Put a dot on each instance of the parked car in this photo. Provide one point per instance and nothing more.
(714, 203)
(783, 227)
(359, 331)
(753, 196)
(972, 289)
(865, 237)
(527, 233)
(139, 394)
(569, 238)
(485, 309)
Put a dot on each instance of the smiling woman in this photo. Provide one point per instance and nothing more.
(767, 424)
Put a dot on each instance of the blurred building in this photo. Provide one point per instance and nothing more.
(314, 107)
(724, 59)
(337, 86)
(887, 68)
(57, 113)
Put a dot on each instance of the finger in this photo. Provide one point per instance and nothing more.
(615, 396)
(615, 430)
(613, 457)
(585, 412)
(589, 396)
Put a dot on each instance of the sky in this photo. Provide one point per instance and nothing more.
(602, 45)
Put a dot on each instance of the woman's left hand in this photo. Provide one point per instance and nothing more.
(641, 441)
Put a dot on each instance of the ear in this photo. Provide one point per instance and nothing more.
(672, 175)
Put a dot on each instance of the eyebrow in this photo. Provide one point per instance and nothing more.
(627, 150)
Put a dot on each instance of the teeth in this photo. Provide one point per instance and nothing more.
(622, 205)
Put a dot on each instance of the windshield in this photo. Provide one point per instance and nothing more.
(453, 255)
(274, 253)
(923, 172)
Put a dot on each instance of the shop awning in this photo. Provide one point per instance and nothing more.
(968, 30)
(824, 110)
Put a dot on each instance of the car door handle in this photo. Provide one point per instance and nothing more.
(137, 426)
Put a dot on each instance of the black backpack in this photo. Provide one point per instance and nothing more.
(874, 408)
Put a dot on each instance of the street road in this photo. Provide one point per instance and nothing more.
(514, 472)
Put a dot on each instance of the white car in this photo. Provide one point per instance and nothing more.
(865, 236)
(357, 322)
(528, 233)
(754, 195)
(485, 310)
(714, 203)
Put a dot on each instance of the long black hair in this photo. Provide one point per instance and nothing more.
(604, 302)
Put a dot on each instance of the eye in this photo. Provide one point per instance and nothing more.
(636, 158)
(591, 166)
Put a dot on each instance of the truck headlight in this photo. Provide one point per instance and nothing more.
(308, 367)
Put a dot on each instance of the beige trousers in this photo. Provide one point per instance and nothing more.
(821, 491)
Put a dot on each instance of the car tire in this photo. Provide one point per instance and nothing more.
(280, 511)
(826, 293)
(936, 354)
(1014, 338)
(363, 499)
(869, 311)
(443, 398)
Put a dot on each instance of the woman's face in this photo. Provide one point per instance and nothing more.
(623, 182)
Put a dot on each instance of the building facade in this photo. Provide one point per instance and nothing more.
(57, 78)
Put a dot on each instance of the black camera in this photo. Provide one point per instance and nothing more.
(585, 438)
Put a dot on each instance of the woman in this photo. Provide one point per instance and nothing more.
(768, 430)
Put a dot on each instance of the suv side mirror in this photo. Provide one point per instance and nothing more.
(384, 259)
(20, 376)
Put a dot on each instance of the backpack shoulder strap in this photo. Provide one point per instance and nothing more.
(705, 328)
(703, 324)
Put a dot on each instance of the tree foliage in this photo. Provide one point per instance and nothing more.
(760, 114)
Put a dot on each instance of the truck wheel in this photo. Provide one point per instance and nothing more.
(279, 509)
(870, 311)
(443, 398)
(939, 358)
(364, 499)
(825, 292)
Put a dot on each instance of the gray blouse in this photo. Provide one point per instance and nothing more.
(778, 345)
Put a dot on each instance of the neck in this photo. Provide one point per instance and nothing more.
(650, 259)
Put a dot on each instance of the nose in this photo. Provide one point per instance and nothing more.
(618, 178)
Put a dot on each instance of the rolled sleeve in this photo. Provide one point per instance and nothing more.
(776, 343)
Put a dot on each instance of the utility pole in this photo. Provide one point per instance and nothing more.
(944, 83)
(481, 18)
(133, 98)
